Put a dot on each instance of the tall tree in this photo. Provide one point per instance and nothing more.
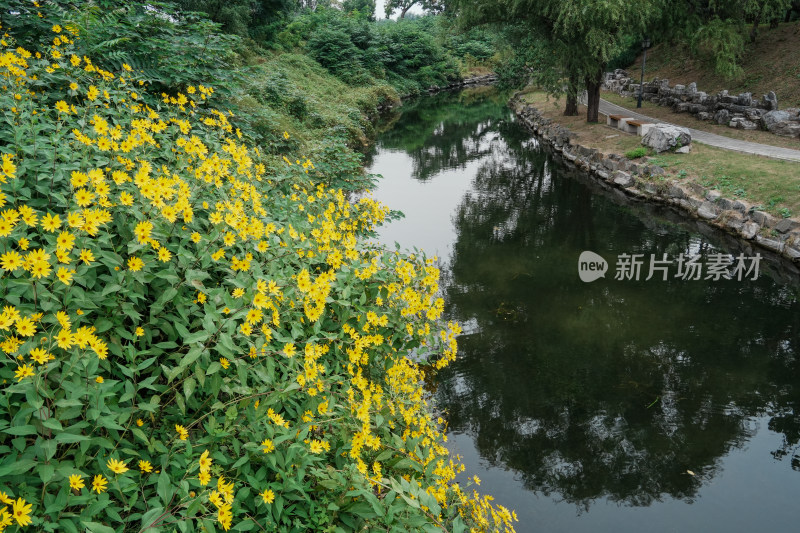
(241, 17)
(404, 5)
(582, 36)
(366, 8)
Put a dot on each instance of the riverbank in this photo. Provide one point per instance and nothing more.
(597, 150)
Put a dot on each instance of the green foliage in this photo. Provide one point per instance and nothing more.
(259, 19)
(200, 332)
(722, 42)
(636, 153)
(361, 8)
(402, 6)
(406, 53)
(333, 49)
(169, 49)
(629, 49)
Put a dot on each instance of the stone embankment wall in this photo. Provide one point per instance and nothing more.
(742, 111)
(736, 217)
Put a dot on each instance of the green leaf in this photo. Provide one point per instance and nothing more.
(150, 518)
(46, 472)
(96, 527)
(21, 430)
(52, 423)
(16, 467)
(164, 489)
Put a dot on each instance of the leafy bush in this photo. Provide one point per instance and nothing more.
(193, 343)
(636, 153)
(332, 48)
(169, 50)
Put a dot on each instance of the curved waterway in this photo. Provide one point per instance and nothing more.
(612, 405)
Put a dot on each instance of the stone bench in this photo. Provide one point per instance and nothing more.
(638, 127)
(613, 120)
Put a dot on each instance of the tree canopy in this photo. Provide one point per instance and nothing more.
(573, 40)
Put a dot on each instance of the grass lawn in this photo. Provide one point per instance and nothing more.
(770, 183)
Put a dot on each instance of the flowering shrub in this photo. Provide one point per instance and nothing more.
(192, 344)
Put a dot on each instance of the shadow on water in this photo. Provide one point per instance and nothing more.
(628, 392)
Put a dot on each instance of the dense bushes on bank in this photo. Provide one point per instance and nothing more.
(196, 335)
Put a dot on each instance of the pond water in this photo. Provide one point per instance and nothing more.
(615, 405)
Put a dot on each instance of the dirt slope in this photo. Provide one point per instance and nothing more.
(772, 63)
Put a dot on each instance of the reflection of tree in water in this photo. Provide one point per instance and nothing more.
(440, 132)
(611, 389)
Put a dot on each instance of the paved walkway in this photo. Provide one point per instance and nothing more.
(711, 139)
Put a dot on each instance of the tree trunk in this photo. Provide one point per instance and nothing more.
(571, 109)
(754, 31)
(405, 9)
(756, 22)
(593, 84)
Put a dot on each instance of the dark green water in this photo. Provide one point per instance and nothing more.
(584, 406)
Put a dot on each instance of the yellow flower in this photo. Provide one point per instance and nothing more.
(75, 482)
(204, 477)
(225, 517)
(268, 446)
(196, 237)
(22, 511)
(135, 264)
(224, 362)
(64, 339)
(316, 446)
(99, 483)
(268, 496)
(51, 222)
(11, 260)
(83, 197)
(183, 434)
(139, 422)
(26, 327)
(139, 332)
(145, 466)
(142, 231)
(205, 461)
(87, 256)
(116, 466)
(164, 255)
(99, 379)
(40, 355)
(238, 293)
(23, 372)
(289, 349)
(65, 275)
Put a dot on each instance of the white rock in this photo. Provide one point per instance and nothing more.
(663, 137)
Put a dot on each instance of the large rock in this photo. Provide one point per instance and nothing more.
(770, 119)
(663, 137)
(781, 123)
(723, 116)
(770, 101)
(743, 124)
